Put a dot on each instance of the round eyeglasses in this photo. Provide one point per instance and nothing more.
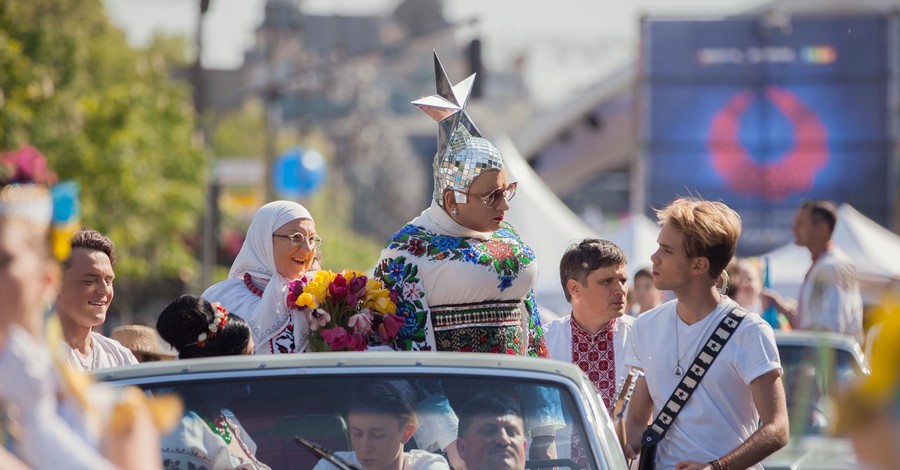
(494, 196)
(299, 239)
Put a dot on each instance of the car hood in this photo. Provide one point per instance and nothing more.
(813, 452)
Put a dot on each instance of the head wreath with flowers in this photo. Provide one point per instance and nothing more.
(220, 318)
(346, 310)
(29, 189)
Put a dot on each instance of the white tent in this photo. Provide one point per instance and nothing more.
(874, 250)
(546, 224)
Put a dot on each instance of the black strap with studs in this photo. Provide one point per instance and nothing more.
(691, 379)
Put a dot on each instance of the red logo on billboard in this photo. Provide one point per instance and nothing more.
(773, 181)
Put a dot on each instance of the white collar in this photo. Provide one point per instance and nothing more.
(436, 219)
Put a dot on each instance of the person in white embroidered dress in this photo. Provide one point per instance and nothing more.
(208, 435)
(33, 433)
(462, 276)
(737, 415)
(280, 247)
(381, 419)
(594, 278)
(84, 299)
(830, 298)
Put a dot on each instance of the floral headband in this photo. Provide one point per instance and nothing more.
(218, 323)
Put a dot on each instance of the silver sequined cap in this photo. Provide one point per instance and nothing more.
(462, 152)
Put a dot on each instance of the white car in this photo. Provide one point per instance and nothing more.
(278, 398)
(816, 367)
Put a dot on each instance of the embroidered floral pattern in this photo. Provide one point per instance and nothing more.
(284, 342)
(504, 252)
(402, 278)
(537, 345)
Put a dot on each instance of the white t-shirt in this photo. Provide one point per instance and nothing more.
(105, 352)
(720, 414)
(414, 460)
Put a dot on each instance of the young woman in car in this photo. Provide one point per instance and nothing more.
(209, 435)
(281, 246)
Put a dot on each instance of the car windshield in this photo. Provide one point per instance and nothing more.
(813, 376)
(274, 411)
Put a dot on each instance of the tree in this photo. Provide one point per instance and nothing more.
(109, 117)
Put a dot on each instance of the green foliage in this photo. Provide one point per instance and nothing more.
(109, 117)
(243, 133)
(343, 248)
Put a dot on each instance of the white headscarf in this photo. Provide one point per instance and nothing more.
(257, 257)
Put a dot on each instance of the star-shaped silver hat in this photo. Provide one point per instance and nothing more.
(462, 153)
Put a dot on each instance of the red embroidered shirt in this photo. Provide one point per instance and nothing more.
(595, 355)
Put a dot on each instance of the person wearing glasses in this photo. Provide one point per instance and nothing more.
(462, 276)
(281, 246)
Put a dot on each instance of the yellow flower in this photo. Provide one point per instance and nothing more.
(378, 298)
(318, 287)
(349, 274)
(307, 300)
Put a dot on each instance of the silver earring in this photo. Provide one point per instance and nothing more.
(454, 211)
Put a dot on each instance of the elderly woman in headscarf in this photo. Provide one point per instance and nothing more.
(280, 247)
(462, 276)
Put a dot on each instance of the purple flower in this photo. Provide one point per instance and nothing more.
(390, 326)
(295, 288)
(356, 290)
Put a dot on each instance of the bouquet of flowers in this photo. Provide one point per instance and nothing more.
(344, 309)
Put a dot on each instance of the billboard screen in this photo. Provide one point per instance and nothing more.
(764, 117)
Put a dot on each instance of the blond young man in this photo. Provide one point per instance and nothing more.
(737, 414)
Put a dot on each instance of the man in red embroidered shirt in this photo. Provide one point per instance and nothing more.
(594, 277)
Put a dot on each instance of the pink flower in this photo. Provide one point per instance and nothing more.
(338, 287)
(317, 318)
(26, 165)
(357, 342)
(412, 290)
(336, 338)
(390, 326)
(361, 322)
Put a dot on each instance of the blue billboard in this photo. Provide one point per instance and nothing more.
(763, 118)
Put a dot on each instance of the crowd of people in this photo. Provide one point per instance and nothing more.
(461, 278)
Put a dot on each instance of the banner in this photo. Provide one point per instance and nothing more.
(763, 115)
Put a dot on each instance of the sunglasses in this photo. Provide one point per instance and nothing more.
(494, 196)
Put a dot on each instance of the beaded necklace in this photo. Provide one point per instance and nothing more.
(221, 428)
(252, 287)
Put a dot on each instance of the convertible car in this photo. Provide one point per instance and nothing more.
(282, 401)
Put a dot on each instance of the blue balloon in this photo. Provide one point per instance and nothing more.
(299, 173)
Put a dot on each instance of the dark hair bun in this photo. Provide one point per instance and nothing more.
(183, 321)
